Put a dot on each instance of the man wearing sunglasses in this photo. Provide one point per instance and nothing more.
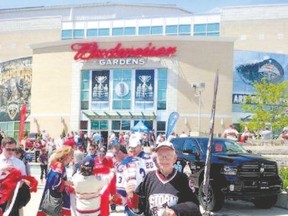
(8, 159)
(10, 166)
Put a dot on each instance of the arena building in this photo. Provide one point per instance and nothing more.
(105, 67)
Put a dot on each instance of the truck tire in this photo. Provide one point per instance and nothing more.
(215, 198)
(265, 202)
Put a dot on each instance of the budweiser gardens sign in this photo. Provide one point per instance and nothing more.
(89, 51)
(122, 61)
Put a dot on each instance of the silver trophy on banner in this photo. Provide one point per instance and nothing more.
(144, 90)
(100, 90)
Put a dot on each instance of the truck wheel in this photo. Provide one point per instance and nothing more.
(265, 202)
(214, 201)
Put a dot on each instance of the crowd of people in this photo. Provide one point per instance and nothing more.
(265, 135)
(118, 172)
(105, 174)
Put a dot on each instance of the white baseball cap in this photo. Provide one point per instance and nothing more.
(134, 143)
(165, 144)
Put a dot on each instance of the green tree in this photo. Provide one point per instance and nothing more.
(269, 105)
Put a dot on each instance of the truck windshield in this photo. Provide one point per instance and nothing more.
(234, 147)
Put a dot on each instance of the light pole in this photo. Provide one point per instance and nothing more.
(198, 89)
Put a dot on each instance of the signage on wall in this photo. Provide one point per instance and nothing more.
(15, 87)
(89, 51)
(122, 61)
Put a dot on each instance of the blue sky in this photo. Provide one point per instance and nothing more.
(196, 6)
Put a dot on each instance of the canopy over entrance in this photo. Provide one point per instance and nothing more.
(119, 115)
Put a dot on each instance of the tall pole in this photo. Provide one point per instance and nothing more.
(206, 180)
(199, 112)
(198, 88)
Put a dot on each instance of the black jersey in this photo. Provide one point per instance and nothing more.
(157, 192)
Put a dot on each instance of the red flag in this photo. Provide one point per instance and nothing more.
(22, 121)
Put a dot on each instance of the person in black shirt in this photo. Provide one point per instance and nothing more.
(164, 191)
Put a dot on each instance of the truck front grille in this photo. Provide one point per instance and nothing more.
(258, 169)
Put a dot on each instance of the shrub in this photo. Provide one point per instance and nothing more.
(284, 175)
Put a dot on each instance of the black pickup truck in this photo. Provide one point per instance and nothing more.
(235, 173)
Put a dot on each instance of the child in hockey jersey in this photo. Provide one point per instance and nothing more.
(164, 191)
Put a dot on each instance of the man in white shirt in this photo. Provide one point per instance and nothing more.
(231, 133)
(8, 160)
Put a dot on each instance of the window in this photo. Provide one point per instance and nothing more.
(148, 124)
(121, 89)
(184, 30)
(99, 125)
(156, 30)
(161, 127)
(92, 32)
(200, 29)
(78, 34)
(103, 32)
(85, 78)
(12, 128)
(213, 29)
(191, 145)
(130, 31)
(84, 126)
(120, 125)
(171, 30)
(66, 34)
(210, 29)
(162, 88)
(144, 30)
(117, 31)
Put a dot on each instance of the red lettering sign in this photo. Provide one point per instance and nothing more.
(87, 51)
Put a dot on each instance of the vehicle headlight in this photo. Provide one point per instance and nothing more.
(227, 170)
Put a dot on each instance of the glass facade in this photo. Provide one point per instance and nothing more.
(67, 34)
(78, 33)
(162, 89)
(85, 80)
(99, 125)
(92, 32)
(121, 89)
(171, 30)
(131, 89)
(206, 29)
(118, 90)
(104, 32)
(156, 30)
(11, 129)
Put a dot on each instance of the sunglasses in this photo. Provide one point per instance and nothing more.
(10, 149)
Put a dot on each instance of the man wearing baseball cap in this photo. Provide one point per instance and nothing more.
(164, 191)
(135, 150)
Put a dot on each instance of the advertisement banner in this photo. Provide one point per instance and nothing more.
(100, 89)
(172, 120)
(15, 87)
(144, 89)
(251, 67)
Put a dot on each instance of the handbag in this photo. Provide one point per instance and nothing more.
(51, 205)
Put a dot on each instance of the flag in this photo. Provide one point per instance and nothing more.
(22, 121)
(208, 157)
(172, 120)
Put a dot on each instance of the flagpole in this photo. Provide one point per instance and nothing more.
(209, 147)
